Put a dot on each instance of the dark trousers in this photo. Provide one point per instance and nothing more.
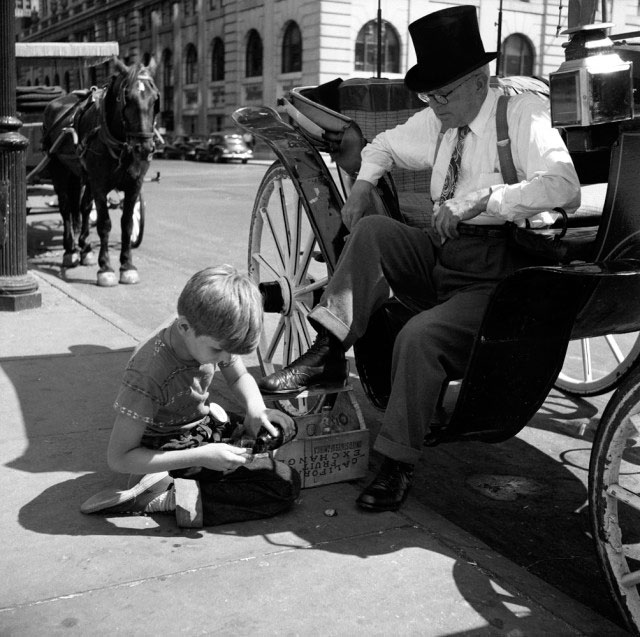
(451, 283)
(262, 488)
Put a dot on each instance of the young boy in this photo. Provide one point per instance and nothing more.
(165, 427)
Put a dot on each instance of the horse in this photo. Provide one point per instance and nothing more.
(98, 140)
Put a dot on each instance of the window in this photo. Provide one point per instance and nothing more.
(217, 60)
(166, 13)
(516, 57)
(167, 80)
(191, 65)
(367, 48)
(189, 8)
(292, 49)
(121, 28)
(253, 62)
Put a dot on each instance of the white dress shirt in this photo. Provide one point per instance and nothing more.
(546, 176)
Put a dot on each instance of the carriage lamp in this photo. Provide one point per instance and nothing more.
(594, 85)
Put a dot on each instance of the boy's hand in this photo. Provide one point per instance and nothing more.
(253, 423)
(223, 457)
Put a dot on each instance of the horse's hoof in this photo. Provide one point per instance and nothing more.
(89, 258)
(107, 279)
(70, 260)
(129, 277)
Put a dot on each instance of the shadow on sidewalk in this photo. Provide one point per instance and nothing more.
(415, 552)
(66, 404)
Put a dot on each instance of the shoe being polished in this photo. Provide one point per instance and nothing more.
(389, 488)
(323, 362)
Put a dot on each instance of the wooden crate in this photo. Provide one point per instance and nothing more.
(335, 457)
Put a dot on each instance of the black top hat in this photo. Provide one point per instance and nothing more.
(448, 47)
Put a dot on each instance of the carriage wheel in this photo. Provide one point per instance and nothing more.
(595, 366)
(283, 260)
(137, 232)
(614, 497)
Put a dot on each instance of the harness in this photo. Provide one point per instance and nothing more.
(117, 149)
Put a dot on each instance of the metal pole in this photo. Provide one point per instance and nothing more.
(499, 45)
(379, 60)
(18, 288)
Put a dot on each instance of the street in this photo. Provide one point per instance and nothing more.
(197, 215)
(526, 497)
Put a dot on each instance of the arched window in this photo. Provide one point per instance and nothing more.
(217, 60)
(67, 82)
(516, 57)
(191, 65)
(56, 80)
(367, 48)
(146, 58)
(292, 49)
(46, 80)
(253, 63)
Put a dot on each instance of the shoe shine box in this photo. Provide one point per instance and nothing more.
(321, 457)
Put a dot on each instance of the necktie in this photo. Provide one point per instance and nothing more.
(453, 170)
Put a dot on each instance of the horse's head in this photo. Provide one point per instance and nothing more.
(138, 102)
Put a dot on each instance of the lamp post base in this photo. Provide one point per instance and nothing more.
(19, 293)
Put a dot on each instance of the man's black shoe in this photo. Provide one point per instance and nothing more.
(324, 362)
(389, 489)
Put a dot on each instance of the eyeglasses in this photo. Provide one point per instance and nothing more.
(442, 98)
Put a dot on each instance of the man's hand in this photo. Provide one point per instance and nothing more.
(357, 203)
(449, 214)
(445, 222)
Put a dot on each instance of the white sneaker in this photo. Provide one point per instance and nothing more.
(133, 500)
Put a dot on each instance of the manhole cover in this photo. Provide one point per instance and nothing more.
(504, 487)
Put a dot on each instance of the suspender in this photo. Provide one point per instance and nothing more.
(507, 167)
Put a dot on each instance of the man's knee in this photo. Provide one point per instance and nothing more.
(373, 226)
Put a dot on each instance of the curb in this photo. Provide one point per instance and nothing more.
(117, 321)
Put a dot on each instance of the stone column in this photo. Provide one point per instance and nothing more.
(18, 288)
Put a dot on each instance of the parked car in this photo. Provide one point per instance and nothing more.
(224, 146)
(178, 147)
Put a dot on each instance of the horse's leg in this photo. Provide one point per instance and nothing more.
(106, 275)
(88, 256)
(67, 186)
(128, 271)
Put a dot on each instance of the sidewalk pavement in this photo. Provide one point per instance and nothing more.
(302, 573)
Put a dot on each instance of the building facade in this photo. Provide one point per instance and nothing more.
(213, 56)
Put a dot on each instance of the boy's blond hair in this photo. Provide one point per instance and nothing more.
(224, 304)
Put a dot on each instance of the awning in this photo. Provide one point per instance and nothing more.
(86, 53)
